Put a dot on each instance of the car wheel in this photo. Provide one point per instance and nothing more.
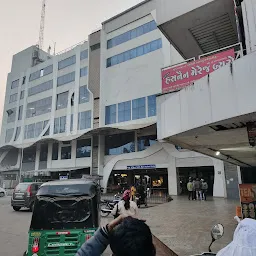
(1, 194)
(16, 208)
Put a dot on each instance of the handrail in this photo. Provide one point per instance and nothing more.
(71, 47)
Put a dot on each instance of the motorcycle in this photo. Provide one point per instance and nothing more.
(141, 200)
(217, 232)
(107, 206)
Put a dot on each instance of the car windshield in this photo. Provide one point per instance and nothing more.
(22, 187)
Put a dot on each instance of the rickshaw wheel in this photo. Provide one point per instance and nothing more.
(104, 206)
(25, 253)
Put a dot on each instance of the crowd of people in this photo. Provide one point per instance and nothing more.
(197, 189)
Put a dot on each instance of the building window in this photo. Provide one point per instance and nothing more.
(152, 105)
(39, 73)
(29, 155)
(131, 34)
(15, 84)
(22, 95)
(30, 131)
(17, 134)
(40, 88)
(124, 111)
(84, 120)
(110, 115)
(47, 132)
(84, 55)
(62, 100)
(146, 141)
(95, 47)
(83, 148)
(138, 108)
(65, 79)
(20, 114)
(55, 151)
(11, 115)
(66, 152)
(67, 62)
(120, 143)
(24, 80)
(38, 129)
(83, 71)
(13, 97)
(134, 53)
(34, 130)
(84, 95)
(43, 152)
(39, 107)
(60, 125)
(8, 135)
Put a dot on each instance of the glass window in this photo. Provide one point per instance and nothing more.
(84, 120)
(67, 62)
(20, 114)
(11, 115)
(110, 115)
(84, 55)
(66, 152)
(83, 148)
(134, 53)
(48, 70)
(84, 95)
(17, 134)
(131, 34)
(24, 80)
(43, 152)
(38, 129)
(15, 84)
(47, 132)
(65, 79)
(40, 88)
(95, 47)
(119, 143)
(152, 105)
(146, 141)
(39, 107)
(29, 155)
(39, 73)
(60, 125)
(8, 135)
(22, 95)
(13, 97)
(138, 108)
(62, 100)
(55, 151)
(30, 131)
(83, 71)
(124, 111)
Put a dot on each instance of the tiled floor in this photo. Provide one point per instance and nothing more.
(185, 225)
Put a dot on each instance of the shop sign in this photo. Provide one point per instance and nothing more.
(248, 200)
(147, 166)
(251, 130)
(177, 77)
(63, 177)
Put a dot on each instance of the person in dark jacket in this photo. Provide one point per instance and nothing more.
(126, 237)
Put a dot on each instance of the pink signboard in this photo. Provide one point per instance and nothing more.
(178, 77)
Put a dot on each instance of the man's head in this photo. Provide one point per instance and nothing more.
(132, 238)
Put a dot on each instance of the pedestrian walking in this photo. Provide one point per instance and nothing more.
(133, 192)
(190, 189)
(204, 189)
(197, 186)
(194, 190)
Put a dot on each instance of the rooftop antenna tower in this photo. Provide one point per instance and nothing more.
(40, 45)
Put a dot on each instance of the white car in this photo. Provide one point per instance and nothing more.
(3, 192)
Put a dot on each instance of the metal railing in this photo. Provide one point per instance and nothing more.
(71, 47)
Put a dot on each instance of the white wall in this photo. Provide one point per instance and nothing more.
(228, 93)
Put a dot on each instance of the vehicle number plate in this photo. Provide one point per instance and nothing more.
(18, 196)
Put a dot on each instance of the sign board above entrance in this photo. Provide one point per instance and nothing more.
(177, 77)
(146, 166)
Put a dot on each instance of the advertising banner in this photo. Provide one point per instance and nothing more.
(177, 77)
(248, 200)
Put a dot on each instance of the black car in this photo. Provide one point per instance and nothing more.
(24, 195)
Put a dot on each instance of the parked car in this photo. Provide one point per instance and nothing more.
(24, 195)
(3, 192)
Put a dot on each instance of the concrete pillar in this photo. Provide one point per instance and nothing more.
(38, 147)
(101, 154)
(239, 175)
(172, 177)
(219, 187)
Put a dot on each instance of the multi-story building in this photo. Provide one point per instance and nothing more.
(92, 110)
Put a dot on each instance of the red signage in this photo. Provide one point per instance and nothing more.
(248, 200)
(178, 77)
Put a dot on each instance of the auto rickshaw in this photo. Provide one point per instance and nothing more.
(66, 214)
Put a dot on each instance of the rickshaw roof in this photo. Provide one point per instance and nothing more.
(69, 182)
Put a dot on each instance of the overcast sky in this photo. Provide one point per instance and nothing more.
(67, 22)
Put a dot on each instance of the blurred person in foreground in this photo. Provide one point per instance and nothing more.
(126, 237)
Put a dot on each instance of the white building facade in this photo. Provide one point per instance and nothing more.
(92, 110)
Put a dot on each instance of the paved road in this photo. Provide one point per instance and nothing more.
(183, 225)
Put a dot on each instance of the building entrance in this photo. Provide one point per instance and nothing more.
(206, 173)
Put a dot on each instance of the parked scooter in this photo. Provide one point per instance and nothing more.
(217, 232)
(107, 206)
